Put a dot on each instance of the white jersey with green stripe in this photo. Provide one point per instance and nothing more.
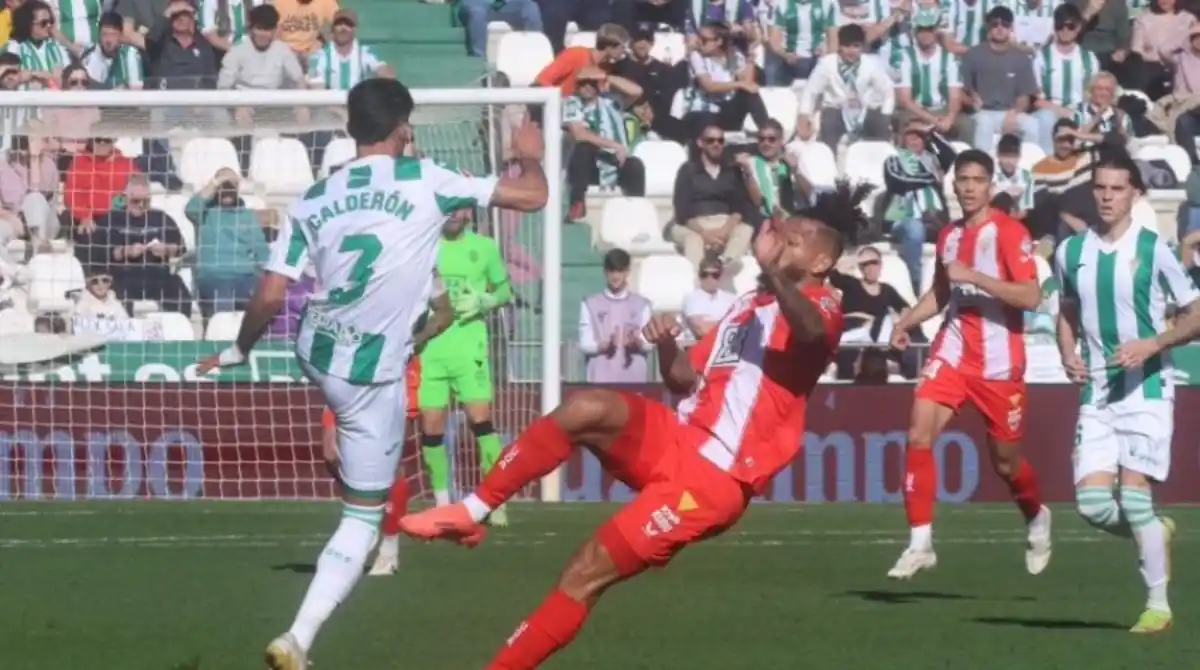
(371, 232)
(1019, 184)
(1063, 77)
(929, 76)
(79, 20)
(1122, 290)
(329, 69)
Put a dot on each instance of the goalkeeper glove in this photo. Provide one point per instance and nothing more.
(470, 304)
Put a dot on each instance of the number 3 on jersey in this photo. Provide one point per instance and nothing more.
(368, 247)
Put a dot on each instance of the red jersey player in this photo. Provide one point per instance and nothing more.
(985, 278)
(695, 470)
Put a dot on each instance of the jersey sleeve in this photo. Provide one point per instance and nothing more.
(453, 190)
(829, 305)
(1016, 252)
(1172, 277)
(699, 353)
(1065, 286)
(289, 251)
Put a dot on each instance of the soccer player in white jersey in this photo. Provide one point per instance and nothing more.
(1117, 280)
(371, 231)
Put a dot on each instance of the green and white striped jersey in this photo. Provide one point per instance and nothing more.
(1122, 291)
(43, 57)
(1020, 181)
(1044, 10)
(769, 178)
(124, 70)
(602, 116)
(1063, 78)
(968, 22)
(371, 231)
(207, 18)
(331, 70)
(803, 23)
(79, 20)
(929, 76)
(1085, 114)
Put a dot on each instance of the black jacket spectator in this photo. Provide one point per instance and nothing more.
(699, 193)
(179, 56)
(137, 247)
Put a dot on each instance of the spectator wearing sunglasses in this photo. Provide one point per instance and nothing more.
(930, 89)
(999, 83)
(595, 119)
(42, 57)
(98, 299)
(871, 307)
(1063, 70)
(773, 178)
(94, 179)
(856, 92)
(722, 83)
(704, 307)
(710, 202)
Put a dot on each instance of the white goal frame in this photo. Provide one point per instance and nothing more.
(548, 98)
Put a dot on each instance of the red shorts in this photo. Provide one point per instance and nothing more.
(682, 497)
(1000, 401)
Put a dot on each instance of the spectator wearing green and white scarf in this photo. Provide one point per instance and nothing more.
(596, 121)
(42, 57)
(774, 181)
(722, 83)
(796, 39)
(856, 92)
(930, 89)
(913, 178)
(344, 61)
(110, 63)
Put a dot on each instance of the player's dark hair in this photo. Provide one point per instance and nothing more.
(112, 20)
(1112, 157)
(840, 211)
(1009, 145)
(772, 124)
(375, 107)
(975, 157)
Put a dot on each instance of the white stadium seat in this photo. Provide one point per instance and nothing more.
(130, 147)
(782, 105)
(662, 160)
(1171, 154)
(281, 164)
(864, 161)
(1031, 153)
(664, 281)
(337, 152)
(817, 162)
(1143, 214)
(223, 326)
(893, 271)
(582, 39)
(51, 277)
(669, 47)
(522, 55)
(746, 279)
(632, 224)
(175, 326)
(203, 156)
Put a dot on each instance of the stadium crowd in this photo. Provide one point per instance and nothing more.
(691, 122)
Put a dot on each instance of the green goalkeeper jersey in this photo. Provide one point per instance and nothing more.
(474, 275)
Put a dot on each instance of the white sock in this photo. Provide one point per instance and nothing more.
(477, 508)
(389, 545)
(1152, 546)
(921, 537)
(338, 569)
(441, 498)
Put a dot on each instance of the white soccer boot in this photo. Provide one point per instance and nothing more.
(387, 561)
(284, 653)
(1037, 548)
(913, 561)
(499, 517)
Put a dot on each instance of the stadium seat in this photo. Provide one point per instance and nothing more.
(173, 206)
(669, 47)
(817, 162)
(782, 105)
(203, 156)
(281, 165)
(1171, 154)
(864, 161)
(662, 159)
(175, 326)
(1143, 214)
(337, 152)
(632, 224)
(51, 277)
(522, 55)
(223, 326)
(130, 147)
(665, 281)
(746, 279)
(1031, 153)
(893, 271)
(959, 147)
(582, 39)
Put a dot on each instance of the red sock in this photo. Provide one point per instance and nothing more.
(1025, 492)
(541, 448)
(920, 485)
(551, 627)
(397, 506)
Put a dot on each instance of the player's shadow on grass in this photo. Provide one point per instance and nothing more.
(298, 568)
(1048, 624)
(905, 597)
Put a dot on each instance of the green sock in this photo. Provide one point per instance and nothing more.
(438, 467)
(489, 451)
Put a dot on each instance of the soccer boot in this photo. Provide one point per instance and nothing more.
(284, 653)
(499, 517)
(450, 522)
(1037, 547)
(911, 562)
(1151, 622)
(387, 561)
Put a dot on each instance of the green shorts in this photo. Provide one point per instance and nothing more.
(468, 377)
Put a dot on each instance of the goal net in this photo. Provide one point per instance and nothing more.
(103, 321)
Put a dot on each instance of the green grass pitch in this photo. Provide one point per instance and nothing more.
(205, 585)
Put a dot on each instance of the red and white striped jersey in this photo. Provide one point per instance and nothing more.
(980, 335)
(754, 384)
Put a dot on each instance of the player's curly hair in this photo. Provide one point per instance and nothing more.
(840, 210)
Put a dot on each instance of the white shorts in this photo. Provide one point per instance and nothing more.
(370, 429)
(1133, 436)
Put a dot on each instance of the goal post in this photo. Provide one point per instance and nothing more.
(54, 421)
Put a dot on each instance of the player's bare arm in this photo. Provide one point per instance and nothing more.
(440, 317)
(674, 366)
(264, 305)
(1187, 328)
(529, 191)
(1066, 328)
(1019, 294)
